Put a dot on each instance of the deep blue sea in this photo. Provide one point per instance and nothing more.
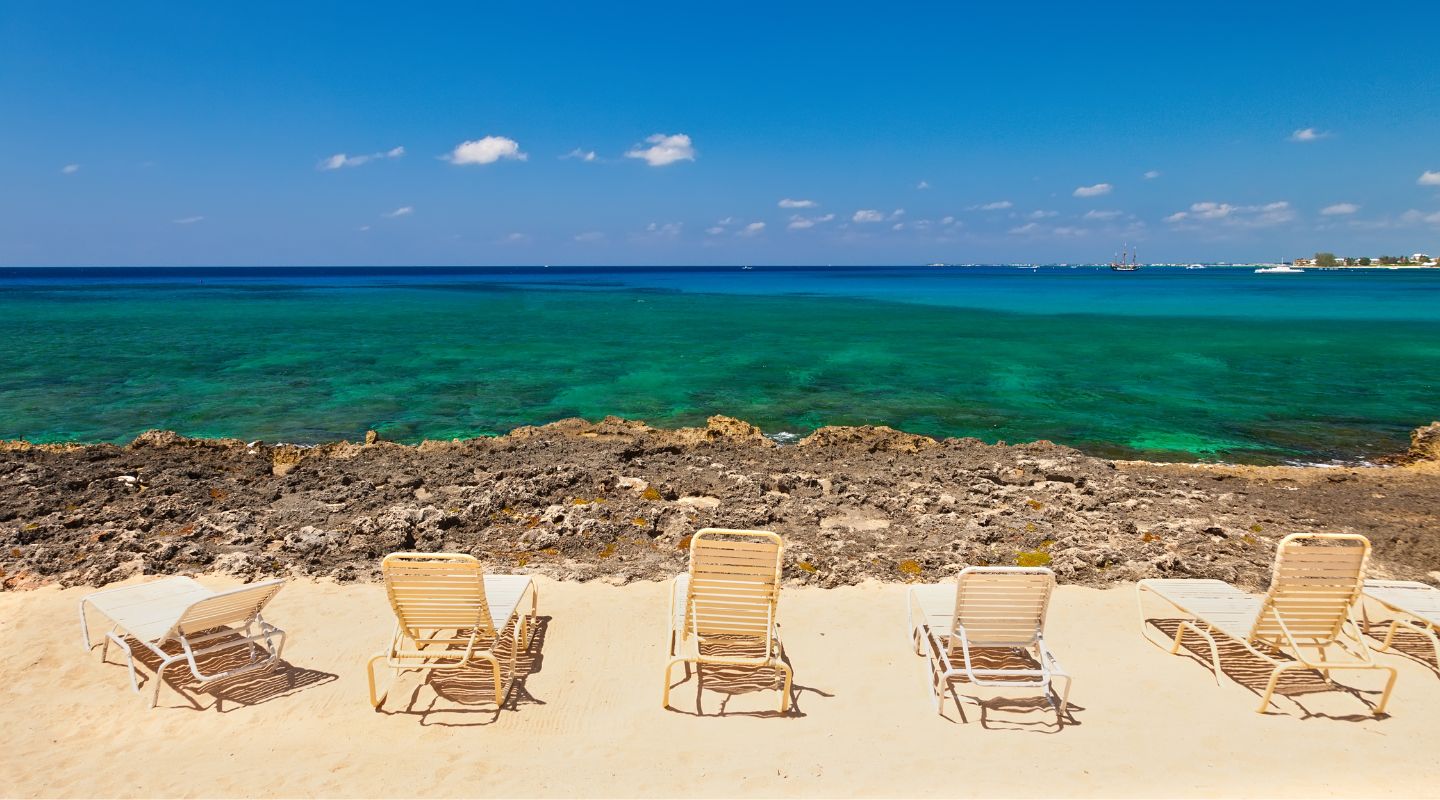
(1167, 363)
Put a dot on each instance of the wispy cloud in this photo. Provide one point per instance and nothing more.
(664, 230)
(1151, 175)
(799, 223)
(487, 150)
(1309, 135)
(923, 185)
(867, 215)
(516, 238)
(788, 203)
(1428, 178)
(1257, 216)
(580, 155)
(753, 229)
(1042, 213)
(1413, 216)
(1339, 208)
(340, 160)
(590, 237)
(1102, 215)
(1097, 190)
(70, 169)
(998, 205)
(664, 149)
(402, 211)
(1027, 228)
(187, 220)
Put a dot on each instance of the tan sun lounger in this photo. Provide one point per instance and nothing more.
(1316, 580)
(725, 607)
(1414, 605)
(450, 615)
(181, 613)
(987, 608)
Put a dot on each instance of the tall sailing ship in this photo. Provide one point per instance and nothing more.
(1128, 261)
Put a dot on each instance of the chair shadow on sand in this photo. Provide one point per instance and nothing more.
(465, 697)
(1031, 712)
(247, 689)
(1253, 673)
(733, 681)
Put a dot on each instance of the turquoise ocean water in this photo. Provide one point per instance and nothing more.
(1166, 363)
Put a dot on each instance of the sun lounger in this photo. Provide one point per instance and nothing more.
(450, 615)
(723, 612)
(178, 612)
(1316, 580)
(1415, 606)
(988, 608)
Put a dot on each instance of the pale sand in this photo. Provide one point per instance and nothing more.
(589, 721)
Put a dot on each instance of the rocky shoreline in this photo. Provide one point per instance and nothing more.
(617, 500)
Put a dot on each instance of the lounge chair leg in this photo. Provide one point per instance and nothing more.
(160, 679)
(785, 692)
(665, 697)
(1385, 696)
(1270, 687)
(375, 699)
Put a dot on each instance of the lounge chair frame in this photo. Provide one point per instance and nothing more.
(208, 622)
(1400, 598)
(731, 590)
(1309, 604)
(1006, 607)
(433, 594)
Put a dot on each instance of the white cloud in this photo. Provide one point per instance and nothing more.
(753, 229)
(187, 220)
(788, 203)
(947, 220)
(589, 237)
(516, 238)
(1308, 135)
(1069, 231)
(1043, 214)
(486, 151)
(1339, 208)
(715, 230)
(1098, 214)
(1259, 216)
(1029, 227)
(1151, 175)
(1413, 216)
(580, 155)
(402, 211)
(341, 160)
(923, 185)
(71, 169)
(899, 226)
(1427, 178)
(1093, 191)
(998, 205)
(868, 215)
(897, 213)
(799, 223)
(667, 230)
(363, 228)
(664, 149)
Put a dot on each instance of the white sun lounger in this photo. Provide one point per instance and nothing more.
(987, 608)
(179, 611)
(1316, 580)
(729, 599)
(450, 615)
(1414, 605)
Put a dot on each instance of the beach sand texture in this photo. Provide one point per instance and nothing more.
(587, 719)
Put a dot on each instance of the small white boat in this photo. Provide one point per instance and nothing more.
(1278, 268)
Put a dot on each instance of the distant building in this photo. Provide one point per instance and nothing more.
(1303, 262)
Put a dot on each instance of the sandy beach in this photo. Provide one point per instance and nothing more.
(586, 719)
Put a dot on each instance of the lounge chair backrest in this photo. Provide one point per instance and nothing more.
(436, 591)
(1317, 577)
(236, 607)
(1001, 606)
(734, 583)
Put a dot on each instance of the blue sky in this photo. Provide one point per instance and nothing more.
(205, 133)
